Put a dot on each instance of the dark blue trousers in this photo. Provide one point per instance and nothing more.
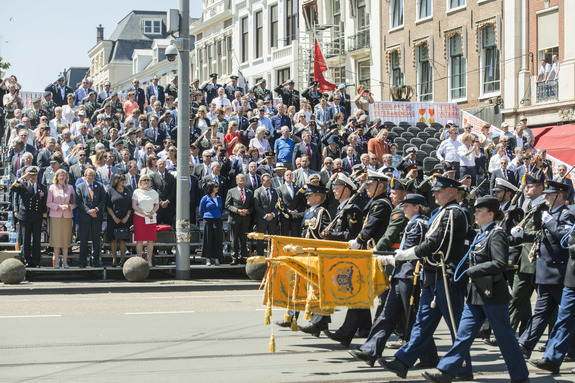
(562, 336)
(396, 304)
(548, 298)
(355, 319)
(471, 320)
(427, 321)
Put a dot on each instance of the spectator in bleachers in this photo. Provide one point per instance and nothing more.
(211, 208)
(447, 152)
(468, 153)
(363, 99)
(151, 165)
(119, 208)
(69, 109)
(259, 141)
(495, 161)
(379, 145)
(61, 203)
(50, 172)
(265, 199)
(232, 138)
(145, 204)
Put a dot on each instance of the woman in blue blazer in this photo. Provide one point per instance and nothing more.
(211, 207)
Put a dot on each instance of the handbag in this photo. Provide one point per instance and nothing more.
(122, 233)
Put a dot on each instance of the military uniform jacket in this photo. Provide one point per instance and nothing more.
(570, 271)
(231, 90)
(312, 97)
(172, 90)
(376, 216)
(32, 205)
(34, 116)
(438, 239)
(489, 257)
(413, 234)
(348, 224)
(532, 228)
(552, 261)
(513, 215)
(311, 228)
(48, 108)
(289, 97)
(261, 93)
(391, 237)
(210, 91)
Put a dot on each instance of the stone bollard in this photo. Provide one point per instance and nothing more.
(12, 271)
(136, 269)
(256, 267)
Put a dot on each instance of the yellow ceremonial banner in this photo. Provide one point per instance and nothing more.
(278, 242)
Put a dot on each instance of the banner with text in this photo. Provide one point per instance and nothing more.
(414, 112)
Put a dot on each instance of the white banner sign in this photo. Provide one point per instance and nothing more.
(414, 112)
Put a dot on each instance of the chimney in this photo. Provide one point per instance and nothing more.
(99, 33)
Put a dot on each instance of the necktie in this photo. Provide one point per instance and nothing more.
(254, 182)
(269, 196)
(505, 174)
(308, 150)
(91, 191)
(109, 172)
(18, 163)
(290, 188)
(351, 161)
(108, 94)
(163, 178)
(133, 182)
(242, 195)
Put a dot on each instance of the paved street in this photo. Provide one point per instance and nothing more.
(201, 336)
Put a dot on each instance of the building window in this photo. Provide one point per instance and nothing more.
(282, 75)
(457, 69)
(423, 9)
(219, 58)
(490, 60)
(548, 36)
(309, 15)
(363, 73)
(396, 13)
(201, 64)
(338, 74)
(152, 27)
(259, 34)
(456, 3)
(424, 74)
(396, 73)
(274, 26)
(362, 15)
(245, 35)
(291, 20)
(336, 12)
(229, 53)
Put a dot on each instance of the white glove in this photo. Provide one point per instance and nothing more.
(387, 260)
(546, 217)
(405, 255)
(353, 244)
(517, 232)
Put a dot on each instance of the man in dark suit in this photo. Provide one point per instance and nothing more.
(108, 171)
(18, 152)
(345, 99)
(503, 173)
(83, 92)
(265, 200)
(294, 203)
(165, 184)
(76, 171)
(154, 89)
(240, 204)
(301, 176)
(44, 155)
(350, 160)
(289, 95)
(139, 93)
(195, 195)
(31, 205)
(203, 169)
(155, 134)
(309, 148)
(337, 107)
(83, 137)
(91, 200)
(132, 176)
(60, 91)
(252, 178)
(105, 94)
(217, 177)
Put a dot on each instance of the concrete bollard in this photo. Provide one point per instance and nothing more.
(136, 269)
(256, 267)
(12, 271)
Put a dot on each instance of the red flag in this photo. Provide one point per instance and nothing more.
(318, 68)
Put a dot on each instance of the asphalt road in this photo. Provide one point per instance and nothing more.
(203, 336)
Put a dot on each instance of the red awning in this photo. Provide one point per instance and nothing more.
(558, 140)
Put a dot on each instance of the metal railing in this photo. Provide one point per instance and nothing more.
(547, 91)
(358, 41)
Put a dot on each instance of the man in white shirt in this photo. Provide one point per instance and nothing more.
(447, 152)
(221, 100)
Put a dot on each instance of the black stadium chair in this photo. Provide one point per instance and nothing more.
(413, 130)
(429, 163)
(430, 131)
(423, 135)
(420, 156)
(421, 125)
(398, 130)
(438, 135)
(433, 154)
(427, 148)
(408, 136)
(404, 124)
(437, 126)
(392, 135)
(389, 124)
(433, 142)
(416, 141)
(408, 145)
(400, 142)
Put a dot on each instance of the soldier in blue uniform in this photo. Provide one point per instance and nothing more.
(312, 94)
(233, 88)
(401, 290)
(210, 89)
(551, 263)
(31, 213)
(488, 298)
(444, 242)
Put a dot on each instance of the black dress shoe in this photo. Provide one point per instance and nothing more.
(283, 324)
(338, 338)
(545, 364)
(491, 341)
(437, 377)
(362, 355)
(82, 266)
(396, 366)
(464, 378)
(361, 334)
(313, 329)
(525, 351)
(524, 380)
(483, 334)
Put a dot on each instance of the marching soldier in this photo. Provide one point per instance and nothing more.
(443, 249)
(551, 263)
(524, 237)
(488, 298)
(424, 188)
(30, 207)
(403, 287)
(210, 89)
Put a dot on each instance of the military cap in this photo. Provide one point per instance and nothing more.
(341, 86)
(315, 189)
(503, 185)
(404, 185)
(489, 202)
(344, 180)
(413, 167)
(280, 166)
(267, 99)
(465, 176)
(522, 118)
(96, 130)
(106, 104)
(262, 108)
(495, 135)
(167, 113)
(314, 83)
(535, 176)
(36, 99)
(333, 140)
(352, 118)
(234, 77)
(411, 149)
(388, 169)
(263, 80)
(107, 117)
(61, 78)
(196, 80)
(360, 126)
(114, 94)
(57, 159)
(118, 142)
(140, 129)
(414, 199)
(376, 121)
(20, 125)
(357, 167)
(46, 94)
(214, 75)
(32, 170)
(450, 168)
(131, 130)
(554, 187)
(312, 122)
(92, 93)
(363, 117)
(436, 170)
(314, 176)
(339, 169)
(269, 153)
(290, 81)
(254, 120)
(442, 182)
(375, 176)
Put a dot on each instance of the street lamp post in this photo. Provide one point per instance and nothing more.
(183, 167)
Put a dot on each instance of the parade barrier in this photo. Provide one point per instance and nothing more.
(317, 276)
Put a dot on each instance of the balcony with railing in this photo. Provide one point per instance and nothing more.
(359, 41)
(547, 91)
